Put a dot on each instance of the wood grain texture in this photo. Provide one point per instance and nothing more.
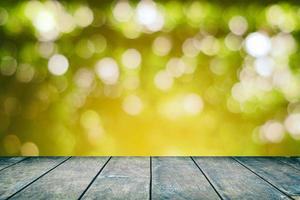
(139, 178)
(16, 177)
(233, 181)
(179, 178)
(292, 161)
(122, 178)
(281, 175)
(68, 181)
(8, 161)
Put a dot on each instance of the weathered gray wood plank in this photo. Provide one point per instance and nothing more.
(233, 181)
(129, 178)
(122, 178)
(282, 176)
(7, 161)
(294, 162)
(179, 178)
(68, 181)
(16, 177)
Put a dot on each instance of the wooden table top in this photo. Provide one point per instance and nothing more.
(149, 178)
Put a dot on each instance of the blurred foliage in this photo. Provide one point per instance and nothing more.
(149, 78)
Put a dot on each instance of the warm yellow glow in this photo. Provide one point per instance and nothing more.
(45, 21)
(238, 25)
(149, 16)
(107, 70)
(122, 11)
(12, 144)
(131, 58)
(149, 78)
(258, 44)
(132, 105)
(161, 46)
(272, 132)
(163, 80)
(292, 125)
(29, 149)
(192, 104)
(58, 64)
(84, 16)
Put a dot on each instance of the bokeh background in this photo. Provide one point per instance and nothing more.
(149, 78)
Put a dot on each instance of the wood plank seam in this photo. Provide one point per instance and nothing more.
(13, 164)
(289, 165)
(90, 184)
(262, 178)
(219, 195)
(43, 174)
(150, 184)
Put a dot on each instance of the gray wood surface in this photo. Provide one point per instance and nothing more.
(149, 178)
(67, 181)
(277, 173)
(179, 178)
(16, 177)
(294, 162)
(233, 181)
(122, 178)
(8, 161)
